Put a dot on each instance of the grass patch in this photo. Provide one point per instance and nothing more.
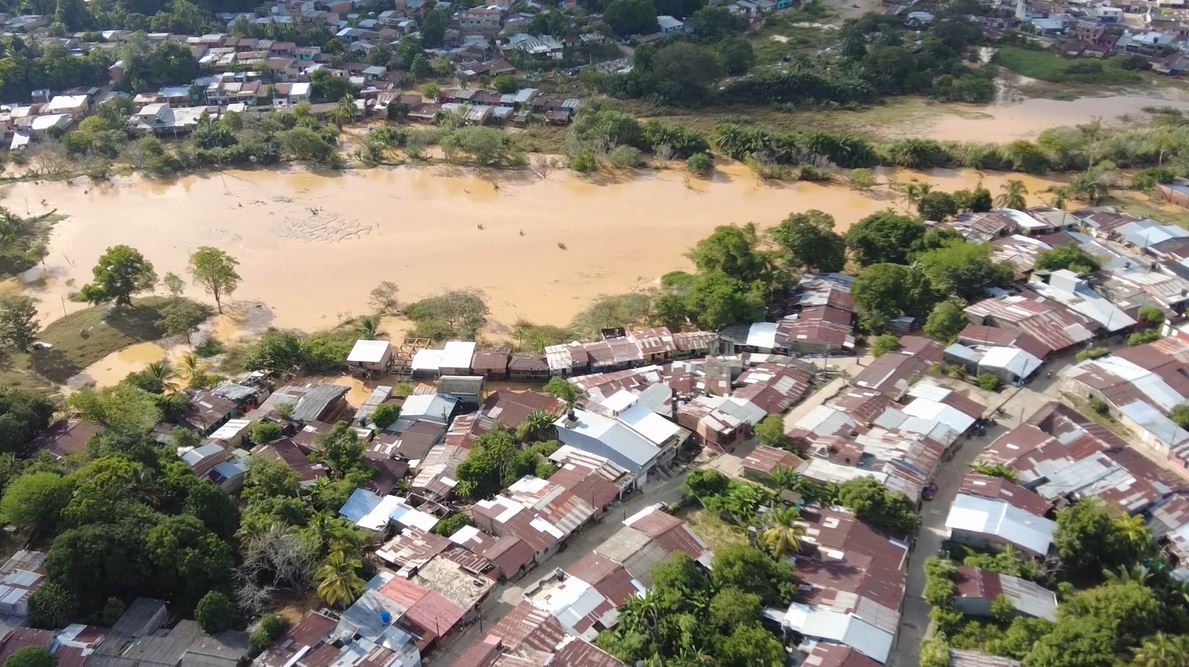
(1104, 420)
(1048, 66)
(80, 339)
(16, 373)
(1143, 206)
(711, 528)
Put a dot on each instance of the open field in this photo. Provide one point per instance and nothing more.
(1049, 66)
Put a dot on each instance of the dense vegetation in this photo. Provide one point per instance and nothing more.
(1118, 605)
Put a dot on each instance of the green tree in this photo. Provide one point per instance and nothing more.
(884, 237)
(1090, 538)
(770, 431)
(342, 451)
(1012, 194)
(631, 17)
(963, 269)
(1070, 257)
(100, 560)
(938, 206)
(188, 560)
(1162, 650)
(31, 656)
(120, 272)
(52, 606)
(326, 86)
(18, 322)
(34, 501)
(23, 414)
(493, 463)
(385, 415)
(338, 579)
(214, 270)
(1076, 642)
(564, 391)
(783, 532)
(809, 240)
(717, 299)
(882, 344)
(276, 352)
(877, 505)
(732, 250)
(751, 646)
(736, 55)
(884, 292)
(945, 321)
(753, 571)
(264, 431)
(173, 283)
(214, 612)
(731, 607)
(1128, 609)
(124, 408)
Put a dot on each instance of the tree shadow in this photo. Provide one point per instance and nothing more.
(54, 365)
(137, 321)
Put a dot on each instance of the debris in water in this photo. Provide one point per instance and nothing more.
(561, 245)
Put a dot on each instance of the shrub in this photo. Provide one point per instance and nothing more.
(214, 612)
(264, 431)
(385, 414)
(271, 627)
(862, 178)
(584, 163)
(52, 606)
(1098, 405)
(31, 656)
(700, 164)
(1141, 337)
(625, 157)
(113, 609)
(884, 343)
(1092, 353)
(989, 381)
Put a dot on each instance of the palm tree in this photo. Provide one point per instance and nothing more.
(1012, 195)
(190, 368)
(368, 328)
(537, 426)
(162, 374)
(784, 531)
(345, 112)
(1129, 574)
(1161, 650)
(1134, 530)
(338, 579)
(914, 191)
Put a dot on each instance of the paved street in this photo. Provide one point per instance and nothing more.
(1017, 405)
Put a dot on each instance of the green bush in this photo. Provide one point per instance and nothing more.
(1141, 337)
(700, 164)
(1092, 353)
(214, 612)
(270, 628)
(989, 381)
(584, 163)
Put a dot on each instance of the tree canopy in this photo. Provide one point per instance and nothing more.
(120, 272)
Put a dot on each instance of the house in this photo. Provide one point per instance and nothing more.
(852, 585)
(891, 373)
(466, 389)
(650, 536)
(207, 411)
(491, 363)
(65, 437)
(309, 402)
(976, 590)
(20, 577)
(585, 596)
(456, 358)
(992, 512)
(373, 512)
(203, 458)
(759, 464)
(75, 105)
(370, 357)
(669, 25)
(434, 408)
(615, 440)
(287, 452)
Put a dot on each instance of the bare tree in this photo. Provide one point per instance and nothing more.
(383, 298)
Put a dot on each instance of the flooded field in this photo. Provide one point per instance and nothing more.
(1011, 118)
(311, 246)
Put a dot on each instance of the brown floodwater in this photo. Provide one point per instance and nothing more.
(311, 246)
(1011, 117)
(117, 365)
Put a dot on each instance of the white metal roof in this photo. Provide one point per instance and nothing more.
(995, 517)
(762, 334)
(939, 412)
(427, 360)
(457, 354)
(1012, 359)
(649, 424)
(847, 629)
(368, 351)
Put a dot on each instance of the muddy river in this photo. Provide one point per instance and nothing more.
(311, 246)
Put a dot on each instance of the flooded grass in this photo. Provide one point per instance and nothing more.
(1139, 204)
(85, 337)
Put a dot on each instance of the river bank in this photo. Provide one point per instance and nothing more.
(312, 245)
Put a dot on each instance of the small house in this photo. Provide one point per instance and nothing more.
(370, 357)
